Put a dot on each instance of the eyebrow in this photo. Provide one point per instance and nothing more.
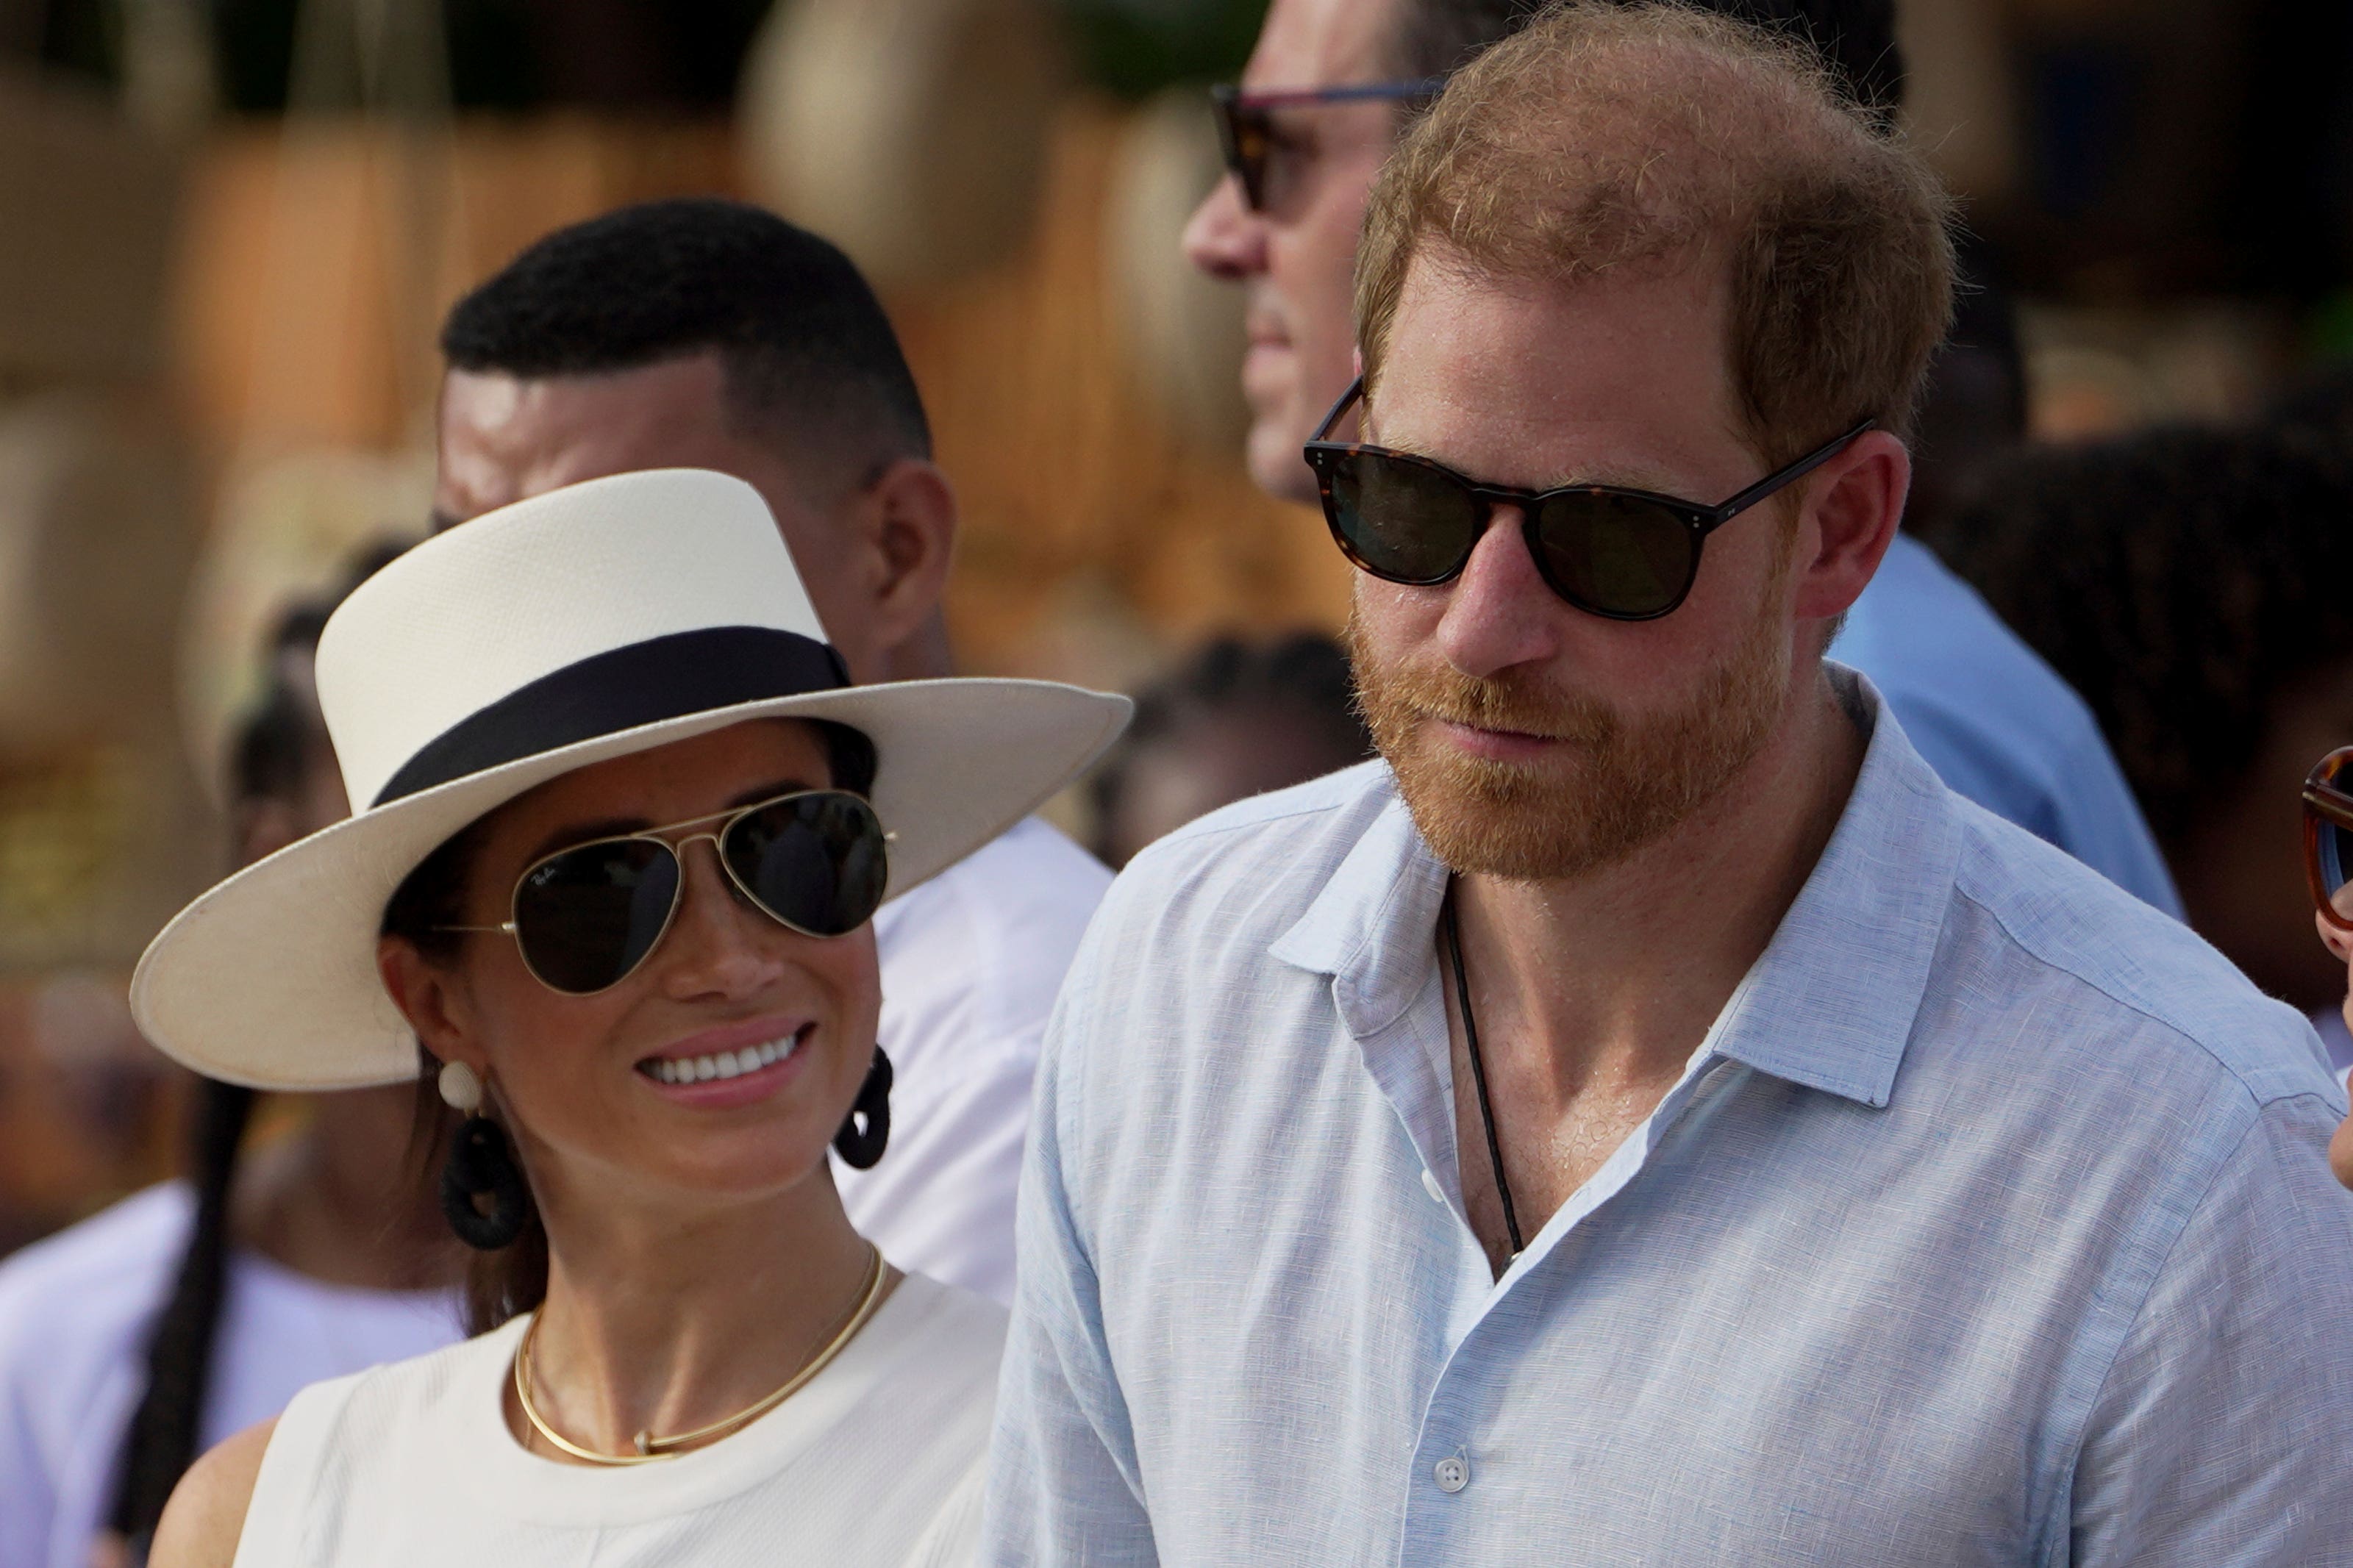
(1632, 477)
(1627, 477)
(572, 834)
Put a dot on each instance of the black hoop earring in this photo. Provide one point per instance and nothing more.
(481, 1164)
(860, 1147)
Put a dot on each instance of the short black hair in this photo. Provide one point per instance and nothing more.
(1297, 681)
(2181, 580)
(805, 345)
(1857, 38)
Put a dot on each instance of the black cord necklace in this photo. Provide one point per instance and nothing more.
(1479, 1069)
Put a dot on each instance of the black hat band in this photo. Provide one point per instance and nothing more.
(644, 683)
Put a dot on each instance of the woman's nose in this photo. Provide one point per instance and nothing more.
(717, 943)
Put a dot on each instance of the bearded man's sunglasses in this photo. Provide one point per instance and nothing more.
(1247, 136)
(2329, 835)
(1626, 555)
(814, 861)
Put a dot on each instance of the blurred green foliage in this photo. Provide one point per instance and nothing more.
(1134, 48)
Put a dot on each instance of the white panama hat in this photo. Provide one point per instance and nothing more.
(591, 622)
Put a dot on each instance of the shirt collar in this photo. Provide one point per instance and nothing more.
(1828, 1004)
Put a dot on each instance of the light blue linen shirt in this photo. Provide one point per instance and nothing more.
(1997, 722)
(1989, 1225)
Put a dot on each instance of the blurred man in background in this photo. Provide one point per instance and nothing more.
(2191, 583)
(1324, 95)
(706, 334)
(1237, 719)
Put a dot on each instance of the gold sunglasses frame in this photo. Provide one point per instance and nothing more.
(726, 819)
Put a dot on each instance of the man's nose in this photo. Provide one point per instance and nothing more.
(1224, 238)
(1499, 613)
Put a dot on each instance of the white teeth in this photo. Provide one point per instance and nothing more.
(723, 1065)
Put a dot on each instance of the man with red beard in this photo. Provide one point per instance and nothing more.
(1327, 89)
(1648, 1117)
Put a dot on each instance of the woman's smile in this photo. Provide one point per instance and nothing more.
(738, 1064)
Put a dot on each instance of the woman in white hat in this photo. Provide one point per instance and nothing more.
(624, 825)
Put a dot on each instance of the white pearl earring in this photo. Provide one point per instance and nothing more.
(461, 1091)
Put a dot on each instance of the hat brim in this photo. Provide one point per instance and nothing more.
(269, 980)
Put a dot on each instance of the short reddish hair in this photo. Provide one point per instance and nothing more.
(1607, 138)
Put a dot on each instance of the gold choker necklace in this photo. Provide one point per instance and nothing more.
(650, 1447)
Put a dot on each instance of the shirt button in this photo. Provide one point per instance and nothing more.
(1453, 1473)
(1430, 1185)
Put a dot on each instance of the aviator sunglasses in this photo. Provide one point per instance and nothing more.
(815, 861)
(2329, 835)
(1626, 555)
(1249, 138)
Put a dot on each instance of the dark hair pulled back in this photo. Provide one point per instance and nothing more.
(271, 757)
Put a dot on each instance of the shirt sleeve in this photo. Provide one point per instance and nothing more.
(27, 1507)
(1063, 1486)
(2220, 1438)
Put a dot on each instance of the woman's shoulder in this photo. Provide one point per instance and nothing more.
(205, 1518)
(268, 1478)
(922, 1377)
(74, 1304)
(927, 1328)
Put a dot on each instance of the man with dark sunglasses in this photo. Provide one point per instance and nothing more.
(1326, 94)
(1648, 1117)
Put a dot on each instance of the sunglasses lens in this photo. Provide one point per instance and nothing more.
(816, 862)
(588, 916)
(1399, 519)
(1242, 140)
(1615, 556)
(2335, 850)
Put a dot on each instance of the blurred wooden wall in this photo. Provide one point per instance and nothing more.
(319, 257)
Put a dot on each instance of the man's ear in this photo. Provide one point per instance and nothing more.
(908, 518)
(432, 1000)
(1847, 519)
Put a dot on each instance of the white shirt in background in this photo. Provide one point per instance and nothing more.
(971, 964)
(877, 1463)
(75, 1315)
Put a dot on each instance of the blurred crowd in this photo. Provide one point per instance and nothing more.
(2131, 646)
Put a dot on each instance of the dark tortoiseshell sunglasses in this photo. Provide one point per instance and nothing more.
(1624, 554)
(2329, 835)
(1254, 146)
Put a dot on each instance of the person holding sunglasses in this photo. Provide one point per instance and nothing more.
(1648, 1115)
(623, 828)
(1326, 92)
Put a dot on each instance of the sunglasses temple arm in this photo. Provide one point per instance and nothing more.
(1772, 483)
(1356, 390)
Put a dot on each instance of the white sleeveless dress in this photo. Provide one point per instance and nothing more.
(875, 1464)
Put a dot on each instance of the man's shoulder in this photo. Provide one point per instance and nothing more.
(1949, 666)
(2134, 979)
(75, 1307)
(980, 949)
(115, 1261)
(1031, 872)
